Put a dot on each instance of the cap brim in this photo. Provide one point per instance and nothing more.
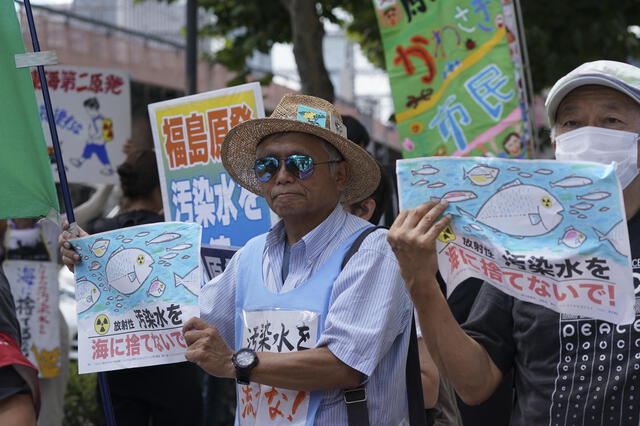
(558, 94)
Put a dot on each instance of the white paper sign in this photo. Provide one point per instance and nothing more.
(279, 331)
(92, 111)
(34, 286)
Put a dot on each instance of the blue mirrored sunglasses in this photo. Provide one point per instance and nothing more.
(300, 165)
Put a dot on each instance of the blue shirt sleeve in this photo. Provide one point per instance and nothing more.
(370, 307)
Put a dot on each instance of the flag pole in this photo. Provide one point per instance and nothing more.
(64, 185)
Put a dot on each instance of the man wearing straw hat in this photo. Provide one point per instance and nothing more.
(304, 335)
(568, 370)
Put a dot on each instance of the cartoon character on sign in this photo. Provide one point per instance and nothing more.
(100, 131)
(390, 16)
(512, 145)
(519, 210)
(127, 269)
(48, 361)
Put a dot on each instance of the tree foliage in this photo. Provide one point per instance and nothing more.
(560, 34)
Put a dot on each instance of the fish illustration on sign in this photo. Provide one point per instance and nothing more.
(572, 181)
(156, 288)
(420, 182)
(481, 175)
(614, 236)
(513, 169)
(94, 265)
(127, 269)
(543, 171)
(191, 280)
(525, 175)
(169, 256)
(179, 247)
(594, 196)
(87, 294)
(572, 238)
(99, 247)
(438, 184)
(519, 210)
(457, 196)
(164, 238)
(425, 170)
(142, 234)
(582, 206)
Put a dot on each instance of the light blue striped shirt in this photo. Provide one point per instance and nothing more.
(369, 319)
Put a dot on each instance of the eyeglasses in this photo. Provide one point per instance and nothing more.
(300, 165)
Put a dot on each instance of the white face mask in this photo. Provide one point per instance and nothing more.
(601, 146)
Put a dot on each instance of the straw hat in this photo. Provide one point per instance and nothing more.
(305, 114)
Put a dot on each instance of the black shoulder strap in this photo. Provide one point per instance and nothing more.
(357, 243)
(356, 399)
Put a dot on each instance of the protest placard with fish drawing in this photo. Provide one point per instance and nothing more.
(546, 232)
(135, 288)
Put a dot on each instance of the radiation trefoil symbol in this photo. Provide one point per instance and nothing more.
(447, 235)
(101, 324)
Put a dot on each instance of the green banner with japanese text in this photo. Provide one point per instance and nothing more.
(27, 188)
(456, 76)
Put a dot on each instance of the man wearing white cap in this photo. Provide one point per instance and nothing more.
(568, 370)
(286, 319)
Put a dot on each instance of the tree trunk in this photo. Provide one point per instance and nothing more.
(307, 36)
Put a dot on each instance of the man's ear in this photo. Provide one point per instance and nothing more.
(368, 207)
(341, 175)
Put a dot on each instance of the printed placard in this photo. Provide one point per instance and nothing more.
(278, 331)
(92, 112)
(34, 286)
(546, 232)
(188, 133)
(216, 258)
(135, 288)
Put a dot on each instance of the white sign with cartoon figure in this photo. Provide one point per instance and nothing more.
(92, 112)
(135, 288)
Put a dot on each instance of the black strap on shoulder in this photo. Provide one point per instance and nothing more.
(357, 243)
(356, 399)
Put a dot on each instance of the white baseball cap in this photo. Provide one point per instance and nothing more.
(616, 75)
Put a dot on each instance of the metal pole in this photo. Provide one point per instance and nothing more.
(192, 47)
(526, 66)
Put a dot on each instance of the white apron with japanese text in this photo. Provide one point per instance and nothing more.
(286, 322)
